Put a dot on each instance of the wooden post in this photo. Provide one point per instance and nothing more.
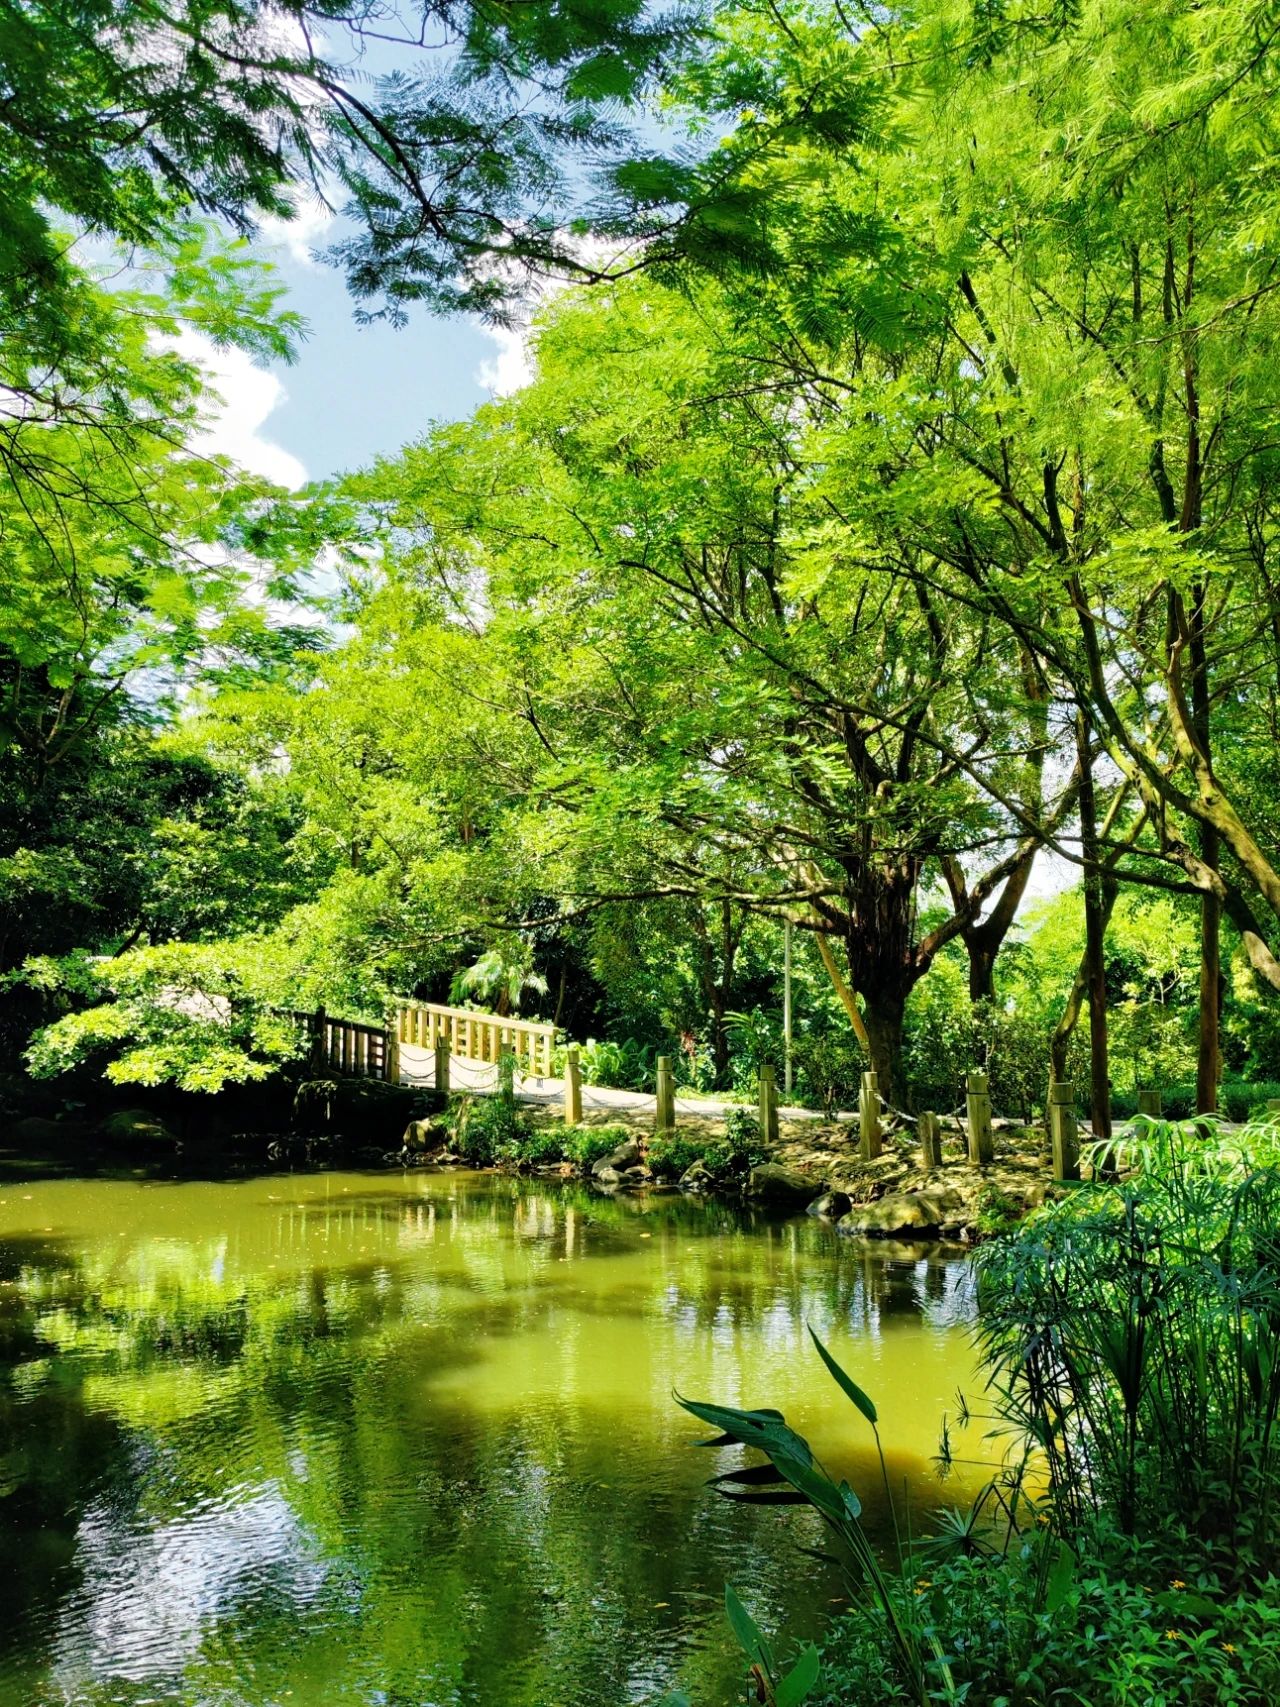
(1063, 1131)
(318, 1062)
(768, 1106)
(930, 1142)
(1149, 1102)
(572, 1086)
(870, 1143)
(442, 1064)
(666, 1096)
(981, 1142)
(507, 1076)
(391, 1048)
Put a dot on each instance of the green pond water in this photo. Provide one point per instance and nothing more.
(327, 1438)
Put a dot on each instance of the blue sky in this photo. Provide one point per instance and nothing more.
(355, 392)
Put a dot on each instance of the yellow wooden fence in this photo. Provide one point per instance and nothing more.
(477, 1037)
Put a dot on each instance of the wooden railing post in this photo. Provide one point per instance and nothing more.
(768, 1106)
(391, 1048)
(507, 1076)
(572, 1086)
(870, 1142)
(442, 1064)
(666, 1113)
(1150, 1102)
(1063, 1132)
(981, 1141)
(930, 1128)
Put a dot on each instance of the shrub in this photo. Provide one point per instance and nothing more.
(532, 1146)
(829, 1068)
(1133, 1331)
(742, 1147)
(671, 1154)
(1248, 1100)
(585, 1145)
(1109, 1629)
(484, 1130)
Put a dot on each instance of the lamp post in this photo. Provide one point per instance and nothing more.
(786, 1007)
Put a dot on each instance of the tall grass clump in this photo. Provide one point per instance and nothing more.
(1132, 1332)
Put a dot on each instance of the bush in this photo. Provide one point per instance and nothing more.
(728, 1160)
(532, 1146)
(1110, 1628)
(626, 1066)
(484, 1130)
(585, 1145)
(1133, 1331)
(829, 1068)
(670, 1155)
(1248, 1100)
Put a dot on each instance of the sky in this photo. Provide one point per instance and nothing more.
(355, 392)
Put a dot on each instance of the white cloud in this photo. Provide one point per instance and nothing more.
(511, 366)
(303, 234)
(243, 395)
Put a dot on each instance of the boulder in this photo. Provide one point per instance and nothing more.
(626, 1155)
(901, 1213)
(772, 1183)
(426, 1135)
(603, 1174)
(698, 1177)
(137, 1126)
(830, 1206)
(36, 1129)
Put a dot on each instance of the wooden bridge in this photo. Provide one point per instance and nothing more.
(420, 1037)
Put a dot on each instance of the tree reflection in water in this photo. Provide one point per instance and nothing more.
(371, 1439)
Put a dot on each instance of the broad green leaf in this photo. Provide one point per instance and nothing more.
(848, 1387)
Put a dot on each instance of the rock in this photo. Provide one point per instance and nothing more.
(906, 1212)
(627, 1155)
(771, 1183)
(137, 1125)
(637, 1175)
(426, 1135)
(603, 1174)
(830, 1206)
(697, 1178)
(36, 1129)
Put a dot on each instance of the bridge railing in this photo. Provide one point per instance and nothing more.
(344, 1046)
(477, 1037)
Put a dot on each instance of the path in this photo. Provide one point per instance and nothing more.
(417, 1067)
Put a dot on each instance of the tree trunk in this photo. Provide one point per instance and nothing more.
(1209, 1052)
(883, 1020)
(1095, 944)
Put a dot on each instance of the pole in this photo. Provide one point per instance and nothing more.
(786, 1007)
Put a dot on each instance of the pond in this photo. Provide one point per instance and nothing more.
(409, 1441)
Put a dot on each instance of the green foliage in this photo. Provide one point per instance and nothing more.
(500, 979)
(829, 1067)
(625, 1065)
(484, 1130)
(189, 1015)
(584, 1145)
(1133, 1332)
(1124, 1622)
(997, 1211)
(671, 1154)
(727, 1159)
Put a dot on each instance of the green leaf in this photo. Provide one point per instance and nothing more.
(849, 1388)
(1061, 1578)
(796, 1686)
(745, 1628)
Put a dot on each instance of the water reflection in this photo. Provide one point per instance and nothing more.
(358, 1438)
